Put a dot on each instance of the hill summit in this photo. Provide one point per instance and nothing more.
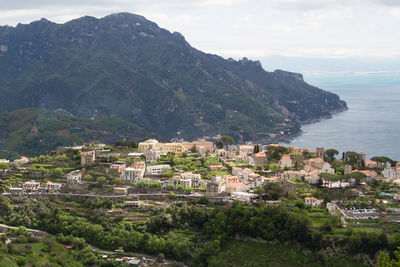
(124, 66)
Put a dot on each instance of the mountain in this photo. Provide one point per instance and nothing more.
(126, 67)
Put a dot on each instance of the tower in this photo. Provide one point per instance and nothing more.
(320, 152)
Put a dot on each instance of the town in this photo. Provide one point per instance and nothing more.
(339, 192)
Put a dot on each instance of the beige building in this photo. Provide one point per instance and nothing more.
(31, 186)
(148, 144)
(260, 159)
(88, 158)
(285, 161)
(174, 148)
(247, 149)
(208, 146)
(295, 151)
(313, 201)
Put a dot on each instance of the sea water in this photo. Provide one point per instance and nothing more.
(370, 125)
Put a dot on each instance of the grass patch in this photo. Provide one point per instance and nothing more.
(46, 253)
(240, 253)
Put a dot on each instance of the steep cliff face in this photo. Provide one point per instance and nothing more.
(125, 66)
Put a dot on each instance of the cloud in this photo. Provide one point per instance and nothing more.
(251, 28)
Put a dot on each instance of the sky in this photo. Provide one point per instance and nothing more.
(281, 33)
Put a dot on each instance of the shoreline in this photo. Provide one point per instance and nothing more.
(287, 139)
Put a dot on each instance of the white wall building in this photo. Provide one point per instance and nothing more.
(132, 174)
(74, 177)
(157, 169)
(389, 172)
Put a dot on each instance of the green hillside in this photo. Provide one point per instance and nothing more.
(126, 67)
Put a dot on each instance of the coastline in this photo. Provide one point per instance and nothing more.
(289, 138)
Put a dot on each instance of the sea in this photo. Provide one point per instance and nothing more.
(372, 122)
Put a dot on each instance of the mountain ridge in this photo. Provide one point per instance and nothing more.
(125, 66)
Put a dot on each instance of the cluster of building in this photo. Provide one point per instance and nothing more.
(34, 187)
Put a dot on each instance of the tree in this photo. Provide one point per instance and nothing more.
(256, 149)
(273, 191)
(121, 142)
(102, 179)
(330, 154)
(219, 144)
(88, 178)
(3, 165)
(180, 187)
(227, 140)
(384, 260)
(351, 158)
(385, 160)
(357, 176)
(58, 172)
(133, 144)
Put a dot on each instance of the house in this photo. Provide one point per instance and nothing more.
(313, 201)
(319, 164)
(371, 164)
(247, 149)
(195, 179)
(176, 180)
(21, 161)
(135, 173)
(295, 151)
(75, 177)
(216, 167)
(157, 169)
(244, 174)
(118, 167)
(258, 181)
(52, 186)
(31, 186)
(88, 158)
(390, 172)
(243, 196)
(285, 161)
(260, 159)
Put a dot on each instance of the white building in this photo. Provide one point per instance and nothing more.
(21, 161)
(157, 169)
(285, 161)
(74, 177)
(313, 201)
(118, 167)
(132, 174)
(31, 186)
(52, 186)
(389, 172)
(243, 196)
